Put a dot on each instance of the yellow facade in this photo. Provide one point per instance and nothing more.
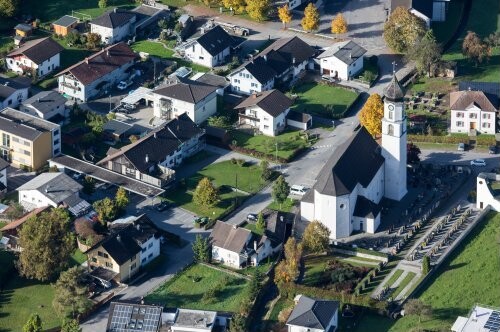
(22, 152)
(99, 257)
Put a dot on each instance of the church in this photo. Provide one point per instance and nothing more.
(348, 190)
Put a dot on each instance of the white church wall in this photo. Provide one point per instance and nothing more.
(307, 211)
(325, 211)
(372, 224)
(375, 190)
(484, 195)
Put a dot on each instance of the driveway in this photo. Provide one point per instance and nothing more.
(17, 177)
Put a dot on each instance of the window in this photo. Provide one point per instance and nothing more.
(144, 260)
(56, 151)
(201, 58)
(391, 115)
(56, 142)
(236, 81)
(102, 254)
(486, 116)
(150, 255)
(266, 127)
(26, 152)
(342, 206)
(460, 114)
(150, 245)
(15, 139)
(390, 130)
(473, 115)
(460, 123)
(133, 266)
(56, 132)
(26, 143)
(241, 74)
(109, 264)
(5, 140)
(144, 249)
(486, 125)
(94, 260)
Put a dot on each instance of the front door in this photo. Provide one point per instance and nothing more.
(472, 125)
(361, 226)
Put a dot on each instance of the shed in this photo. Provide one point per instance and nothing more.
(64, 25)
(23, 30)
(217, 136)
(302, 121)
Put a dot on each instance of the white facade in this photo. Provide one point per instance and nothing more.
(32, 199)
(56, 110)
(20, 64)
(149, 250)
(15, 99)
(334, 67)
(462, 121)
(394, 149)
(484, 195)
(263, 121)
(197, 54)
(111, 36)
(170, 108)
(333, 322)
(227, 257)
(244, 83)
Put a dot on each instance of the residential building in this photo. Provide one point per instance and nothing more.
(265, 111)
(28, 140)
(65, 25)
(113, 26)
(53, 189)
(186, 23)
(148, 15)
(342, 60)
(127, 317)
(481, 318)
(195, 99)
(427, 10)
(281, 62)
(211, 49)
(152, 158)
(197, 321)
(313, 315)
(299, 120)
(3, 175)
(116, 130)
(97, 74)
(23, 30)
(12, 92)
(41, 55)
(220, 82)
(47, 105)
(348, 190)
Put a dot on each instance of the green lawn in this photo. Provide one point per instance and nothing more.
(394, 277)
(6, 43)
(406, 280)
(253, 229)
(78, 258)
(285, 207)
(184, 292)
(379, 278)
(288, 142)
(323, 100)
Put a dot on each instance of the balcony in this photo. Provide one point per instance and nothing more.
(70, 86)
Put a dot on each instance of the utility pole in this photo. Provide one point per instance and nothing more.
(236, 186)
(277, 156)
(110, 102)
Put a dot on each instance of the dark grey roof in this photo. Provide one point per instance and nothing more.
(366, 208)
(215, 40)
(290, 48)
(29, 120)
(230, 237)
(393, 91)
(116, 127)
(24, 27)
(275, 227)
(38, 50)
(58, 187)
(213, 80)
(120, 245)
(422, 6)
(489, 88)
(143, 228)
(355, 161)
(66, 21)
(113, 19)
(216, 132)
(273, 102)
(3, 164)
(346, 51)
(311, 313)
(298, 116)
(158, 144)
(259, 69)
(45, 101)
(124, 317)
(197, 320)
(187, 90)
(8, 87)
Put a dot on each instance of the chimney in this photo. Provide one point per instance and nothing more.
(265, 57)
(293, 60)
(254, 95)
(47, 189)
(255, 245)
(38, 100)
(251, 58)
(350, 55)
(138, 227)
(118, 238)
(154, 134)
(469, 89)
(87, 60)
(235, 226)
(147, 158)
(107, 52)
(115, 10)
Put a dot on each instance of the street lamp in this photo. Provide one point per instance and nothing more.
(277, 156)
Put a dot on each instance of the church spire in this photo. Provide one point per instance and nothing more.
(394, 91)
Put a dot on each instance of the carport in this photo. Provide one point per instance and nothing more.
(137, 95)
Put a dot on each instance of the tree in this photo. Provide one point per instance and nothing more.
(70, 293)
(426, 265)
(418, 308)
(121, 198)
(70, 325)
(316, 237)
(371, 114)
(281, 190)
(403, 29)
(93, 40)
(236, 5)
(47, 245)
(425, 53)
(106, 209)
(8, 8)
(219, 122)
(260, 224)
(266, 171)
(111, 116)
(339, 24)
(15, 211)
(205, 193)
(474, 48)
(85, 230)
(103, 3)
(288, 269)
(202, 249)
(88, 185)
(72, 38)
(53, 169)
(284, 15)
(412, 153)
(310, 22)
(237, 323)
(34, 324)
(257, 9)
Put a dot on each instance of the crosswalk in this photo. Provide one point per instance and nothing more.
(327, 146)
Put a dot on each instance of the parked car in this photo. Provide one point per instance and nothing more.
(124, 84)
(298, 190)
(162, 206)
(106, 186)
(251, 217)
(78, 176)
(328, 78)
(478, 162)
(461, 147)
(492, 149)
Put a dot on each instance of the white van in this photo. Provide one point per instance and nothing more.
(297, 190)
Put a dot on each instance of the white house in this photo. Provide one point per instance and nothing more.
(194, 321)
(311, 315)
(47, 105)
(428, 10)
(473, 111)
(42, 55)
(97, 74)
(481, 318)
(266, 111)
(349, 188)
(282, 61)
(12, 92)
(342, 60)
(210, 49)
(197, 100)
(113, 26)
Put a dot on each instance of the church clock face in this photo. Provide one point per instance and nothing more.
(391, 107)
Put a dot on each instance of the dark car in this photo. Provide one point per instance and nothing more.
(252, 217)
(492, 149)
(162, 206)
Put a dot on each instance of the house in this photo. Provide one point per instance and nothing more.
(281, 62)
(342, 60)
(427, 10)
(186, 23)
(152, 157)
(47, 105)
(3, 175)
(113, 26)
(98, 73)
(11, 231)
(481, 318)
(210, 49)
(220, 82)
(41, 55)
(348, 190)
(126, 317)
(198, 321)
(12, 92)
(64, 25)
(23, 30)
(473, 111)
(53, 189)
(313, 315)
(147, 16)
(238, 247)
(195, 99)
(265, 111)
(115, 130)
(28, 140)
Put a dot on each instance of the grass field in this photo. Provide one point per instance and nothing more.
(406, 280)
(285, 207)
(183, 292)
(323, 100)
(394, 277)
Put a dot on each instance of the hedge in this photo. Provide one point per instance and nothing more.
(262, 155)
(360, 250)
(452, 139)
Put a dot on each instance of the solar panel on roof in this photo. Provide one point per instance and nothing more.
(122, 321)
(493, 322)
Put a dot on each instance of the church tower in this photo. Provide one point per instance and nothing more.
(394, 140)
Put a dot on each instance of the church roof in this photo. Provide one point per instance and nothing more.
(355, 161)
(394, 91)
(366, 208)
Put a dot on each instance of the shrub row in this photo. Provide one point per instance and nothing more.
(262, 155)
(452, 139)
(360, 250)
